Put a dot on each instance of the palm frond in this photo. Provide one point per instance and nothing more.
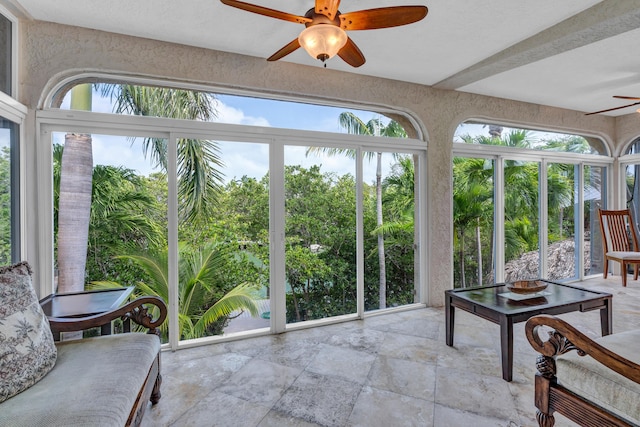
(242, 296)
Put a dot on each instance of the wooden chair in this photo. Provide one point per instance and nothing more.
(620, 241)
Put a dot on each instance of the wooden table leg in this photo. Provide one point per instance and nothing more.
(449, 320)
(105, 329)
(606, 318)
(506, 347)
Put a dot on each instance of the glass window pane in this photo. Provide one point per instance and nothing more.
(110, 215)
(521, 220)
(236, 109)
(9, 193)
(495, 134)
(389, 230)
(473, 225)
(561, 217)
(320, 239)
(5, 55)
(224, 248)
(595, 194)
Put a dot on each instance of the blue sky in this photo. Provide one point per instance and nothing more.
(239, 158)
(251, 159)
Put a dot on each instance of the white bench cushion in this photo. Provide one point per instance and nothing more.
(599, 384)
(95, 382)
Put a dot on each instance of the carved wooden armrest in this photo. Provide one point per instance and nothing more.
(137, 311)
(564, 338)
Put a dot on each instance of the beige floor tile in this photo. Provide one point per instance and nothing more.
(386, 370)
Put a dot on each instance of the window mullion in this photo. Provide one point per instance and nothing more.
(499, 219)
(277, 269)
(543, 222)
(172, 238)
(359, 234)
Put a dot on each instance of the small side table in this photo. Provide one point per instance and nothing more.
(84, 304)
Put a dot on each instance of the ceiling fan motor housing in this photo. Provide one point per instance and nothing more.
(319, 18)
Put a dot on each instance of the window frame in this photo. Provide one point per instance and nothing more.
(16, 113)
(56, 120)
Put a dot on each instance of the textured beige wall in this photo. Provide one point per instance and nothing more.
(50, 53)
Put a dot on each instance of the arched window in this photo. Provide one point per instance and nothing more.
(474, 132)
(525, 204)
(308, 211)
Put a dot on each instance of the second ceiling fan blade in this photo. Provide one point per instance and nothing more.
(328, 8)
(626, 97)
(266, 11)
(295, 44)
(383, 17)
(351, 54)
(614, 108)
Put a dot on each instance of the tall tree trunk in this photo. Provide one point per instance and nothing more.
(479, 245)
(74, 202)
(74, 208)
(381, 256)
(295, 304)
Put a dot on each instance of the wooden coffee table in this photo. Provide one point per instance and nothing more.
(486, 302)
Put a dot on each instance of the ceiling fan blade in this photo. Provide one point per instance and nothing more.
(615, 108)
(383, 17)
(266, 11)
(328, 8)
(626, 97)
(285, 50)
(351, 54)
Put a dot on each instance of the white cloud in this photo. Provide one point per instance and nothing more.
(228, 114)
(240, 159)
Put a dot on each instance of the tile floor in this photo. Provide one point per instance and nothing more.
(387, 370)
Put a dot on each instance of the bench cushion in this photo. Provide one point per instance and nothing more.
(599, 384)
(95, 383)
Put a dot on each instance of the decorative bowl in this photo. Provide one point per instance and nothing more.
(527, 286)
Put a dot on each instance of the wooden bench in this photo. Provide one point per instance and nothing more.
(100, 381)
(593, 382)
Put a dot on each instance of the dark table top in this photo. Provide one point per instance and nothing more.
(87, 303)
(554, 295)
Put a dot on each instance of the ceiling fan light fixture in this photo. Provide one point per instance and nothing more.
(322, 41)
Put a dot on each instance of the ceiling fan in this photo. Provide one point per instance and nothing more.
(618, 108)
(325, 36)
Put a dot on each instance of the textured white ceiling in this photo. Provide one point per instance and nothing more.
(572, 54)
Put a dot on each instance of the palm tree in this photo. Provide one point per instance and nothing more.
(119, 213)
(74, 201)
(198, 286)
(198, 160)
(199, 181)
(374, 127)
(473, 205)
(398, 190)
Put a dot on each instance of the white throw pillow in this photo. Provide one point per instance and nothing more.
(27, 350)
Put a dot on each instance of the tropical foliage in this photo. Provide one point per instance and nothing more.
(5, 206)
(203, 305)
(374, 127)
